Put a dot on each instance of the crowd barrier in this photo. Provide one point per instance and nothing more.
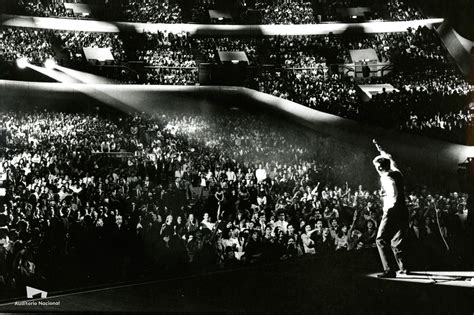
(209, 29)
(425, 154)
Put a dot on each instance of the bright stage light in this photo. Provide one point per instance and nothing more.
(50, 64)
(22, 63)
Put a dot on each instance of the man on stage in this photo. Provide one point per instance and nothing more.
(394, 225)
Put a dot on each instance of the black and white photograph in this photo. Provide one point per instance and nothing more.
(237, 156)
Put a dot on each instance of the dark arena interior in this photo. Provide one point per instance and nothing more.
(237, 156)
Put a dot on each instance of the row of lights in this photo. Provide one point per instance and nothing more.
(23, 63)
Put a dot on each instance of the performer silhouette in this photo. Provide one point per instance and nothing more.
(394, 224)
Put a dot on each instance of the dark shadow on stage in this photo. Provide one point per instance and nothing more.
(333, 284)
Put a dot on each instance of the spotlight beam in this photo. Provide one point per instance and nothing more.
(53, 74)
(61, 74)
(84, 77)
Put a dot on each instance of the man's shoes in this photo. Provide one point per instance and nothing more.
(402, 272)
(387, 274)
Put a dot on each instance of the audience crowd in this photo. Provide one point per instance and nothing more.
(433, 105)
(286, 12)
(42, 8)
(74, 42)
(420, 104)
(366, 10)
(313, 88)
(151, 11)
(210, 46)
(398, 10)
(270, 11)
(416, 47)
(167, 50)
(113, 198)
(431, 102)
(145, 11)
(172, 76)
(18, 42)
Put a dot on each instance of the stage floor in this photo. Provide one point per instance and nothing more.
(445, 278)
(341, 284)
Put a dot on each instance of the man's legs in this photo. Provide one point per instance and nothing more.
(398, 249)
(384, 237)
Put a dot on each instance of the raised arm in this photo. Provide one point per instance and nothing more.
(315, 190)
(384, 154)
